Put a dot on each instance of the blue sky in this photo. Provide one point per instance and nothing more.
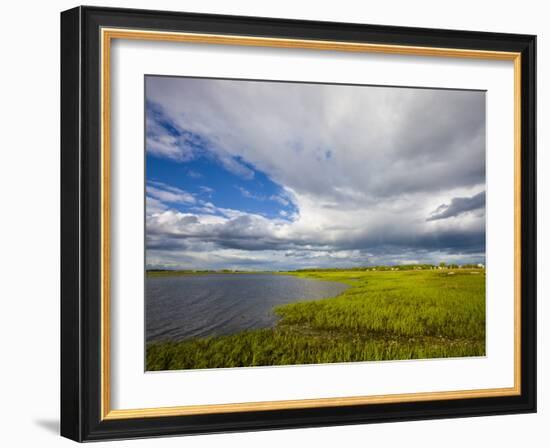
(266, 175)
(236, 185)
(209, 181)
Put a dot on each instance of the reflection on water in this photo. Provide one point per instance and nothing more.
(180, 307)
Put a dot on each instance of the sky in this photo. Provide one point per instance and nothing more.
(263, 175)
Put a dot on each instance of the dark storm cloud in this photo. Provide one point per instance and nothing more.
(458, 206)
(255, 233)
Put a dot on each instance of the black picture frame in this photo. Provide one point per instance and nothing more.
(81, 224)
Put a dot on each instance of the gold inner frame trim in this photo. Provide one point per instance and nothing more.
(107, 35)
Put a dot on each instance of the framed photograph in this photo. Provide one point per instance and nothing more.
(272, 223)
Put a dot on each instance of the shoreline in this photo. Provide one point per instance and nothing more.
(382, 315)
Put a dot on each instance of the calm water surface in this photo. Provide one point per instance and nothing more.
(206, 305)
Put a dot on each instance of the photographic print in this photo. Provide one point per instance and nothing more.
(292, 223)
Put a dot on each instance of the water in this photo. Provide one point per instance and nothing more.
(181, 307)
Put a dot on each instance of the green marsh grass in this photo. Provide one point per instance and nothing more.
(383, 315)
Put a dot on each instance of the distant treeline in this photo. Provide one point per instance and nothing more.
(401, 267)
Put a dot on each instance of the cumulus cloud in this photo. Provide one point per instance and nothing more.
(363, 166)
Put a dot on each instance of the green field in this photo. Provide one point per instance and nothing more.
(383, 315)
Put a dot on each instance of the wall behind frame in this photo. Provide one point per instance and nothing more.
(29, 236)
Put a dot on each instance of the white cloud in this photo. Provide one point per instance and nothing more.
(206, 190)
(168, 194)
